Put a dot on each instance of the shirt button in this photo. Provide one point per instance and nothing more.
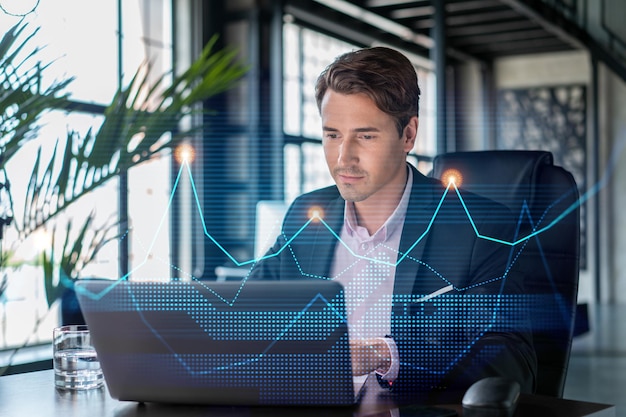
(365, 246)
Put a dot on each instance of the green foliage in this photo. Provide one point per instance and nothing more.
(76, 252)
(21, 99)
(143, 120)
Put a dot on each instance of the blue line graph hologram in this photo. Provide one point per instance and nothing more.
(272, 327)
(316, 218)
(492, 306)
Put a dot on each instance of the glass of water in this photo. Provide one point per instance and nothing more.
(76, 366)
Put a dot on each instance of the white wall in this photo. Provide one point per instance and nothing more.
(471, 106)
(542, 70)
(612, 93)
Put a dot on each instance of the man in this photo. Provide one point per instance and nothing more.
(430, 304)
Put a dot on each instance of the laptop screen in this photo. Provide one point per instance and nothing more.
(221, 342)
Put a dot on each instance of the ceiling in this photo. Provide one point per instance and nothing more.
(475, 29)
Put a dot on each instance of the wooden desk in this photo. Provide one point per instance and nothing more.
(33, 394)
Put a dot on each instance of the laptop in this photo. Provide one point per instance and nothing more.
(232, 342)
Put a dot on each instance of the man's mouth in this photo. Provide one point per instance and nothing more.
(350, 178)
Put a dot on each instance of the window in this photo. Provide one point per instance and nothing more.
(306, 54)
(101, 44)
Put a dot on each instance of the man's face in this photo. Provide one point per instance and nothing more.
(364, 153)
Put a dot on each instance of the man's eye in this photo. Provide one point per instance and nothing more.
(367, 137)
(331, 135)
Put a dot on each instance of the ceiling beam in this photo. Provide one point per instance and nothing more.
(402, 32)
(491, 28)
(548, 25)
(471, 5)
(505, 36)
(378, 21)
(481, 17)
(534, 45)
(386, 3)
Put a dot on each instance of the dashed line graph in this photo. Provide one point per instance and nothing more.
(334, 316)
(317, 218)
(538, 225)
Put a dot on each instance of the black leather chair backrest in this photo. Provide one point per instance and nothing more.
(550, 259)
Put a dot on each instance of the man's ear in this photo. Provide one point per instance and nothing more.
(409, 134)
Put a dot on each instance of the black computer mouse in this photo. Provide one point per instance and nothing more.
(491, 397)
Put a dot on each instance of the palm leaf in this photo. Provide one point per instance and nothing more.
(51, 284)
(22, 100)
(78, 249)
(129, 134)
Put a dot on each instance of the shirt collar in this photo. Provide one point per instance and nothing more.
(392, 224)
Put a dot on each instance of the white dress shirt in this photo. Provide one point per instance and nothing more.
(366, 266)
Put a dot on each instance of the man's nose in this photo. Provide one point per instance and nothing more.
(348, 151)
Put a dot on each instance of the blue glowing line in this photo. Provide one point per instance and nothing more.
(582, 199)
(571, 208)
(287, 243)
(586, 196)
(318, 297)
(206, 232)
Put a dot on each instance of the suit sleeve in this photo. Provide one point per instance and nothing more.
(299, 252)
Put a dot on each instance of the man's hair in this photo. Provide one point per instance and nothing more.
(383, 74)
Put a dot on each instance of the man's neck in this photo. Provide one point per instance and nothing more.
(373, 212)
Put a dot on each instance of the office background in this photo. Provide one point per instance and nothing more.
(495, 74)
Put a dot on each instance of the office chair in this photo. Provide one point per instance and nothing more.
(550, 258)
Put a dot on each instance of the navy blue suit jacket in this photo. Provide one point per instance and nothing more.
(478, 329)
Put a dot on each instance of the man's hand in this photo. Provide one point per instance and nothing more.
(369, 355)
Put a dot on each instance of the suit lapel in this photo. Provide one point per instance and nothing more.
(323, 245)
(425, 195)
(422, 206)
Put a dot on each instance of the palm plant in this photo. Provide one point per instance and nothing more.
(142, 121)
(22, 102)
